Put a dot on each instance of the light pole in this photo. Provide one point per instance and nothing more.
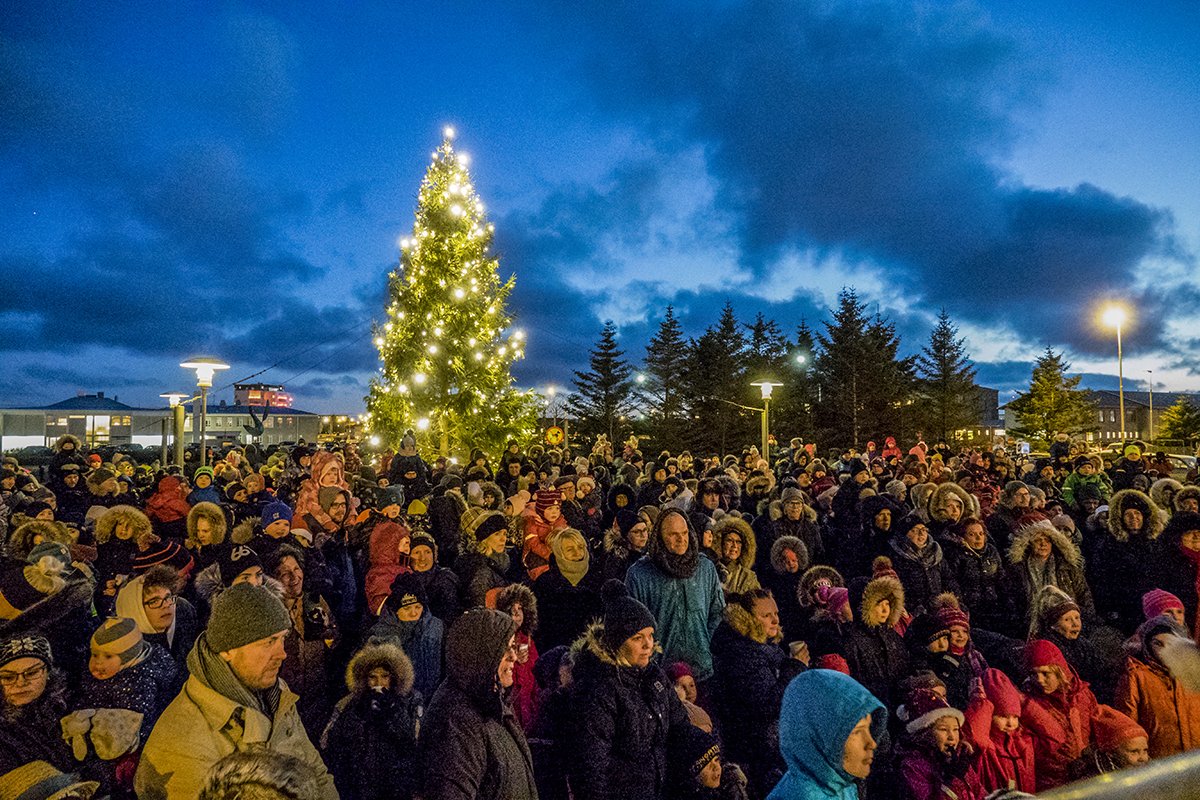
(205, 369)
(1114, 316)
(177, 414)
(767, 387)
(1150, 382)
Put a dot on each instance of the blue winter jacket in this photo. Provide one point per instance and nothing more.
(688, 610)
(820, 709)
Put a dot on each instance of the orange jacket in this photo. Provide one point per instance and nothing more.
(1170, 713)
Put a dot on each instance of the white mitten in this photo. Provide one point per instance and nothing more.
(75, 727)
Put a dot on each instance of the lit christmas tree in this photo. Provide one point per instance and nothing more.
(447, 345)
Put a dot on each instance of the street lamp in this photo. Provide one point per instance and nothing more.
(177, 418)
(1150, 382)
(205, 369)
(1114, 317)
(767, 387)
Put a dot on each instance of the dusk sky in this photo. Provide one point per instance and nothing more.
(233, 179)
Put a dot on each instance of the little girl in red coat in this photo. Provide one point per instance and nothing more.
(994, 728)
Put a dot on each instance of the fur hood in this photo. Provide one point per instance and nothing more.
(615, 544)
(622, 490)
(1186, 492)
(882, 588)
(73, 439)
(591, 646)
(760, 485)
(748, 625)
(870, 506)
(1132, 498)
(775, 511)
(374, 656)
(937, 501)
(1060, 543)
(738, 525)
(813, 578)
(1160, 486)
(788, 543)
(490, 489)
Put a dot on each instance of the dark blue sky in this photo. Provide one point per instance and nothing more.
(233, 179)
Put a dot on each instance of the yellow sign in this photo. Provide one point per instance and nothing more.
(554, 435)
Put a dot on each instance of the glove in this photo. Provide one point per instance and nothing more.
(115, 732)
(75, 727)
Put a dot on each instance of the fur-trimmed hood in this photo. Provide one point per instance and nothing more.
(788, 543)
(760, 485)
(775, 511)
(622, 490)
(1125, 499)
(1192, 492)
(69, 437)
(815, 577)
(730, 523)
(1159, 487)
(937, 501)
(1060, 543)
(378, 655)
(492, 490)
(748, 625)
(590, 647)
(882, 588)
(870, 506)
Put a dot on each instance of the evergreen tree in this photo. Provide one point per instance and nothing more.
(793, 415)
(947, 386)
(863, 385)
(661, 390)
(715, 379)
(1180, 422)
(603, 394)
(446, 346)
(1053, 403)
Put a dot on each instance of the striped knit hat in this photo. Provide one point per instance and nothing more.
(119, 636)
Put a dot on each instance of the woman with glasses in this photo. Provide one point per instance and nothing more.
(165, 619)
(33, 701)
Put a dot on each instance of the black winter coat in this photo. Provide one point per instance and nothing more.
(979, 575)
(370, 747)
(877, 659)
(564, 611)
(924, 575)
(622, 717)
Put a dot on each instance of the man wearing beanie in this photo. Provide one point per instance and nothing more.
(233, 700)
(682, 591)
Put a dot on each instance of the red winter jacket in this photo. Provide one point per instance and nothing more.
(1061, 725)
(1006, 760)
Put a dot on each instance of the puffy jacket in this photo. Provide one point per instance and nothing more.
(688, 610)
(875, 653)
(471, 746)
(621, 719)
(1147, 694)
(1006, 760)
(200, 727)
(924, 573)
(1061, 725)
(820, 710)
(926, 778)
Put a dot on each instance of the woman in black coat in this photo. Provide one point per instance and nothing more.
(471, 744)
(568, 593)
(873, 650)
(750, 673)
(920, 563)
(623, 708)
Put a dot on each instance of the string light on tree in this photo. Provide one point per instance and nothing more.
(446, 345)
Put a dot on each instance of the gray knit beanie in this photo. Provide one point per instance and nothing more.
(243, 614)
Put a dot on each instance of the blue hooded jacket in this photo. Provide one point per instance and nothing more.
(820, 709)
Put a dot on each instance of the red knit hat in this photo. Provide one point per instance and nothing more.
(949, 612)
(546, 498)
(881, 567)
(1006, 700)
(1040, 653)
(925, 707)
(834, 662)
(1112, 729)
(1157, 602)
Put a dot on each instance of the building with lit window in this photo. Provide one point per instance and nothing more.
(261, 394)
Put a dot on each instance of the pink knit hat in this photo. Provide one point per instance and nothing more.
(1156, 602)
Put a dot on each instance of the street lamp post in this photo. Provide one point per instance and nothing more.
(1150, 382)
(767, 387)
(1114, 316)
(177, 420)
(205, 369)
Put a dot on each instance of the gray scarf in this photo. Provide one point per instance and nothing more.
(215, 673)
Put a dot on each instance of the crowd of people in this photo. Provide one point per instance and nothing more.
(941, 622)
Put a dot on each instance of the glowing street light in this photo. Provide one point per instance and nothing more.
(1114, 317)
(205, 369)
(767, 387)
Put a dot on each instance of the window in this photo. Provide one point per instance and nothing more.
(1102, 416)
(1112, 416)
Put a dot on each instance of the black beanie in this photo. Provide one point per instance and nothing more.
(691, 752)
(625, 520)
(623, 616)
(492, 523)
(855, 466)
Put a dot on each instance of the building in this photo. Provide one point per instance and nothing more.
(989, 420)
(261, 394)
(100, 421)
(1138, 422)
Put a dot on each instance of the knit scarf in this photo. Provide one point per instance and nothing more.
(573, 571)
(1194, 557)
(1041, 575)
(215, 673)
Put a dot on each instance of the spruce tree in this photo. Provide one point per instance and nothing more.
(447, 346)
(1053, 403)
(1180, 422)
(947, 385)
(603, 393)
(661, 389)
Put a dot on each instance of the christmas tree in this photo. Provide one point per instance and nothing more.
(447, 345)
